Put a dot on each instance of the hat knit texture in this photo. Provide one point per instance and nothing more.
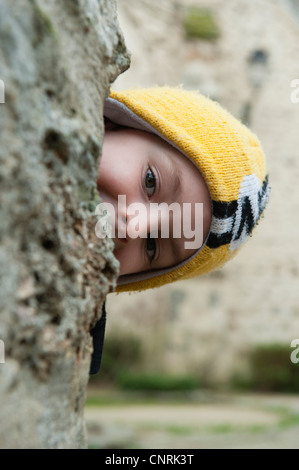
(230, 159)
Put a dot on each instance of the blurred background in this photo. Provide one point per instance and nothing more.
(206, 363)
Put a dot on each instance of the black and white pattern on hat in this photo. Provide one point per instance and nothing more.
(234, 221)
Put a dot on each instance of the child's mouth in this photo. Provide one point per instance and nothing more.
(119, 241)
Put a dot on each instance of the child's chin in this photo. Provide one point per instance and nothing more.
(122, 265)
(119, 243)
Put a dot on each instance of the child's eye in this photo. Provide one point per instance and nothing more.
(150, 182)
(150, 247)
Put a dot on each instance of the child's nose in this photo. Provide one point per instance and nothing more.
(121, 223)
(143, 222)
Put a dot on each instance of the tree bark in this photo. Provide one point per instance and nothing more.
(57, 61)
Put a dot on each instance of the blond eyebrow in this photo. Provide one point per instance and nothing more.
(175, 176)
(177, 183)
(176, 190)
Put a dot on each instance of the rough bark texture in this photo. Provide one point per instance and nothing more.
(57, 60)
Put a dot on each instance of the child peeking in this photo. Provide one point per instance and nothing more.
(184, 182)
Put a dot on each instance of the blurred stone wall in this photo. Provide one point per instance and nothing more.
(57, 60)
(209, 324)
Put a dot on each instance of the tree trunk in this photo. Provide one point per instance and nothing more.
(57, 60)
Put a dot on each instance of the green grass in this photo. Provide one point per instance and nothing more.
(156, 382)
(118, 397)
(120, 400)
(289, 420)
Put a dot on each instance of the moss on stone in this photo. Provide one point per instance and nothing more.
(44, 24)
(200, 23)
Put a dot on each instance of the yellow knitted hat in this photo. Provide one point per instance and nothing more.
(226, 152)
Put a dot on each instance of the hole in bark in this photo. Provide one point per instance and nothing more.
(50, 93)
(54, 140)
(66, 265)
(41, 298)
(48, 244)
(68, 334)
(56, 320)
(37, 276)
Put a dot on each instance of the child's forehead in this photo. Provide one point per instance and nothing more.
(120, 114)
(151, 145)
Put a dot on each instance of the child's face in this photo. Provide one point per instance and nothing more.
(145, 169)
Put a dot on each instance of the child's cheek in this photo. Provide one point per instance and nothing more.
(129, 257)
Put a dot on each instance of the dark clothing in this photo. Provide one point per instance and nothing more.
(98, 333)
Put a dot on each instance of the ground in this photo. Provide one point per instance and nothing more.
(200, 420)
